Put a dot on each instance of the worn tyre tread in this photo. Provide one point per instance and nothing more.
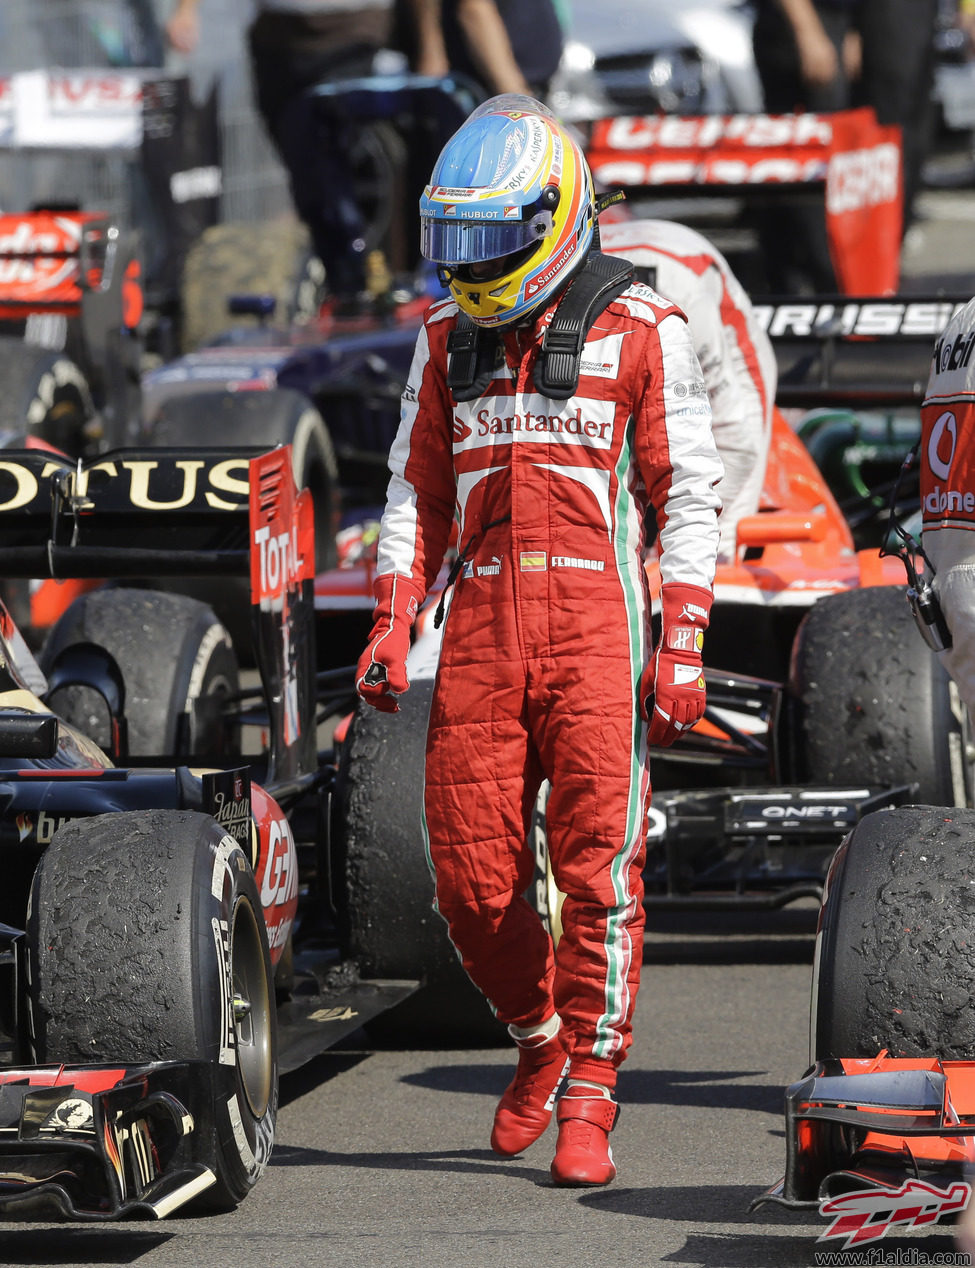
(896, 963)
(873, 705)
(123, 967)
(109, 948)
(391, 928)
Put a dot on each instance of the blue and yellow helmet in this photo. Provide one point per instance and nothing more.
(511, 189)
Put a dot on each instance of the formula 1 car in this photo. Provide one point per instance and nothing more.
(71, 300)
(880, 1131)
(819, 710)
(168, 942)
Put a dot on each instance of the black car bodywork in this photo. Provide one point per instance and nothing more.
(115, 1135)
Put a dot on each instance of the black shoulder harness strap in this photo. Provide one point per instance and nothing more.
(471, 357)
(472, 349)
(597, 284)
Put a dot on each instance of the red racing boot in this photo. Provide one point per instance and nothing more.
(525, 1110)
(583, 1155)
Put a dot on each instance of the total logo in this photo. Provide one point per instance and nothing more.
(279, 560)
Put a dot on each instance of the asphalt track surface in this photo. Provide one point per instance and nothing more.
(382, 1157)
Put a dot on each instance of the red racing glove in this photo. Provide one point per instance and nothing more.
(672, 689)
(381, 673)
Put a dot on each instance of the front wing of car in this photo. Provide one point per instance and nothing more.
(876, 1124)
(109, 1142)
(105, 1142)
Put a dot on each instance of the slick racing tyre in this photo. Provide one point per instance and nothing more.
(895, 953)
(391, 929)
(177, 662)
(45, 396)
(146, 942)
(873, 705)
(248, 258)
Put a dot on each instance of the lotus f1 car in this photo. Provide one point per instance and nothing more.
(166, 934)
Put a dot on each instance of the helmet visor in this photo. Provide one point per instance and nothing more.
(454, 242)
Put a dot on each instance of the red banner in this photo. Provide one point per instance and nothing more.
(854, 161)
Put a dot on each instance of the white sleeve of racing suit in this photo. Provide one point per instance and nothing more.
(420, 494)
(739, 411)
(685, 497)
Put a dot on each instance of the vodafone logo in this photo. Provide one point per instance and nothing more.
(941, 445)
(24, 237)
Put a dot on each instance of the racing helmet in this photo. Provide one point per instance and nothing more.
(509, 213)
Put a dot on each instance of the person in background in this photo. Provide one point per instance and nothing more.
(736, 356)
(896, 78)
(294, 45)
(183, 26)
(805, 52)
(499, 45)
(828, 55)
(548, 463)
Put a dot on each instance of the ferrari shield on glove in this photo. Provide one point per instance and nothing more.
(381, 673)
(673, 690)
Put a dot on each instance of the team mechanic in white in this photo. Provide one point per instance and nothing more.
(948, 491)
(735, 353)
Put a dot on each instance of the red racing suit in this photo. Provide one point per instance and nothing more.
(737, 359)
(947, 464)
(545, 640)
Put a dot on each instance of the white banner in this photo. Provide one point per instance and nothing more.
(77, 109)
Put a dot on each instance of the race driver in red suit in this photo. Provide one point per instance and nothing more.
(546, 669)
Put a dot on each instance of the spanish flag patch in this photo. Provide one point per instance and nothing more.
(533, 561)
